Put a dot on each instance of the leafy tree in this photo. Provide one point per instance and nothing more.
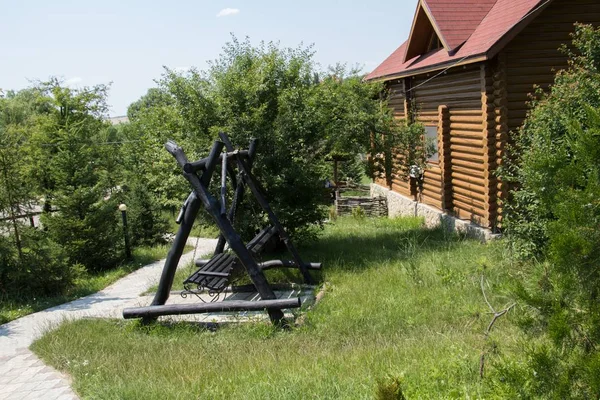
(555, 216)
(277, 96)
(30, 262)
(77, 172)
(15, 189)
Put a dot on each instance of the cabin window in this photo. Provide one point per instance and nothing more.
(431, 135)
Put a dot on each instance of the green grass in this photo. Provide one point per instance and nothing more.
(403, 304)
(201, 228)
(12, 308)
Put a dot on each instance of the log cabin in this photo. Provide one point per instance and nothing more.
(467, 73)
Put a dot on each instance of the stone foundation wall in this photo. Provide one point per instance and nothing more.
(399, 205)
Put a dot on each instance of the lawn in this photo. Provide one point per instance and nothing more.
(403, 304)
(201, 228)
(12, 308)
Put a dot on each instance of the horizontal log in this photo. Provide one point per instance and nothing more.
(270, 264)
(478, 158)
(475, 127)
(465, 207)
(434, 202)
(467, 178)
(469, 203)
(469, 194)
(222, 306)
(465, 112)
(287, 264)
(476, 143)
(480, 167)
(201, 164)
(466, 149)
(468, 186)
(473, 135)
(469, 119)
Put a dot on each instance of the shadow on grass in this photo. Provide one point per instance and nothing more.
(355, 253)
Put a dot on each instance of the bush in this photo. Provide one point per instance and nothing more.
(43, 270)
(147, 223)
(554, 216)
(87, 228)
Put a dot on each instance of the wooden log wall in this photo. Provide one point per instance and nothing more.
(533, 58)
(456, 183)
(399, 105)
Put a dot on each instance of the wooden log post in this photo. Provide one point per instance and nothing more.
(445, 160)
(238, 195)
(257, 191)
(154, 312)
(489, 138)
(500, 132)
(188, 216)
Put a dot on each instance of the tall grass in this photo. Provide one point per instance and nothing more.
(403, 307)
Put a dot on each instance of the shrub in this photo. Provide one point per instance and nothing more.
(147, 223)
(358, 213)
(390, 389)
(43, 270)
(555, 216)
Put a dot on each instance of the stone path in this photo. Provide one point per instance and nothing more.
(23, 376)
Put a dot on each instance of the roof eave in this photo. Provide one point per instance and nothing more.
(432, 68)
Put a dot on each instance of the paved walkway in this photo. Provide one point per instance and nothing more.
(23, 376)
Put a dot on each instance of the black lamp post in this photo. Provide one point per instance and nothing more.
(123, 209)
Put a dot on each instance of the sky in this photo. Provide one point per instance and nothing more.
(127, 42)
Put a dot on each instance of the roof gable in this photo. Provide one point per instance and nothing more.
(504, 19)
(422, 31)
(457, 20)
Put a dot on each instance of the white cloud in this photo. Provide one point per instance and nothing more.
(226, 12)
(73, 81)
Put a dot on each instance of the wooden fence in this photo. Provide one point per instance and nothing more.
(372, 207)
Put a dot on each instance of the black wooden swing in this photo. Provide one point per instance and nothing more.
(215, 275)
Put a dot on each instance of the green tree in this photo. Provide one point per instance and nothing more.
(77, 171)
(554, 216)
(30, 262)
(273, 94)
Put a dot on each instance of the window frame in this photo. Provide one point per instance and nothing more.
(435, 157)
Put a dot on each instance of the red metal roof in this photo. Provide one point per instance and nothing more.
(461, 21)
(457, 20)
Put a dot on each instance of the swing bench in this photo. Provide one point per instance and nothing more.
(215, 275)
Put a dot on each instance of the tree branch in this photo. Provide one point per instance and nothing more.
(497, 315)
